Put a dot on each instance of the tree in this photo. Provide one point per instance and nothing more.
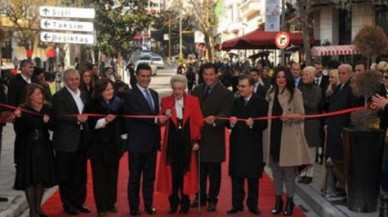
(24, 16)
(117, 22)
(304, 11)
(205, 21)
(371, 41)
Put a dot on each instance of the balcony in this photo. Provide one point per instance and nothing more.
(250, 7)
(234, 27)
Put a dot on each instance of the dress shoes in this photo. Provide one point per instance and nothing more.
(254, 210)
(134, 212)
(212, 207)
(195, 203)
(71, 210)
(3, 199)
(101, 214)
(150, 210)
(83, 209)
(234, 210)
(307, 180)
(113, 209)
(302, 179)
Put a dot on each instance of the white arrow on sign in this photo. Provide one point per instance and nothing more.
(69, 38)
(66, 25)
(64, 12)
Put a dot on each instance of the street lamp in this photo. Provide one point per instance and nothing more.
(180, 33)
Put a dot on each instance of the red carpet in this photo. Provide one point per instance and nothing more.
(53, 206)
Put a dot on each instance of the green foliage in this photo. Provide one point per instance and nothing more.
(117, 23)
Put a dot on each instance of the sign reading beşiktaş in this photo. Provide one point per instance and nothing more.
(56, 37)
(67, 12)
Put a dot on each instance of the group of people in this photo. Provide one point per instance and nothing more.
(194, 136)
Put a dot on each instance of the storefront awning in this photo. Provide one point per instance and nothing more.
(334, 50)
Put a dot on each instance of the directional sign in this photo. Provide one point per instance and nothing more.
(66, 25)
(282, 40)
(49, 11)
(57, 37)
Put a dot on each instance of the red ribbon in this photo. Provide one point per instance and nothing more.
(328, 114)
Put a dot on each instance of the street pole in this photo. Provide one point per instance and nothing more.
(169, 37)
(283, 53)
(180, 35)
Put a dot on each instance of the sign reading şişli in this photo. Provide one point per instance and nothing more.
(56, 37)
(66, 25)
(66, 12)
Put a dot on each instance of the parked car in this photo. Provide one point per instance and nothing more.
(158, 61)
(154, 67)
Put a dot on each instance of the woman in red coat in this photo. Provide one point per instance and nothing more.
(183, 119)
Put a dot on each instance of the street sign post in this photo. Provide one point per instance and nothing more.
(65, 25)
(282, 40)
(56, 37)
(66, 12)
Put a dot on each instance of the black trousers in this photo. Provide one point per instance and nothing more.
(211, 171)
(238, 192)
(141, 165)
(72, 177)
(105, 175)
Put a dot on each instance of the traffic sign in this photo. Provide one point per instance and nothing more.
(66, 25)
(282, 40)
(70, 38)
(66, 12)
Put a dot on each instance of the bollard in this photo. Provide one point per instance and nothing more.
(383, 205)
(329, 188)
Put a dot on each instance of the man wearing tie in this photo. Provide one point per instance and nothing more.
(216, 101)
(296, 73)
(258, 87)
(246, 146)
(144, 140)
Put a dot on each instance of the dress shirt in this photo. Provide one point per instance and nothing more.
(179, 108)
(77, 98)
(27, 79)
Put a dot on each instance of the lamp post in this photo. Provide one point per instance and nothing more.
(283, 28)
(180, 34)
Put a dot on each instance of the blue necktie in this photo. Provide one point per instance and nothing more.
(149, 99)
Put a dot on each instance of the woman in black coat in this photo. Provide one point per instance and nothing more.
(104, 150)
(35, 169)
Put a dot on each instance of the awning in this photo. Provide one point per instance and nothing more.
(334, 50)
(259, 39)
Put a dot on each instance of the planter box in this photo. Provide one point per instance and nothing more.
(363, 157)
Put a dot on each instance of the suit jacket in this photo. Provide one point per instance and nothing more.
(261, 90)
(342, 98)
(143, 134)
(16, 90)
(67, 129)
(217, 103)
(324, 83)
(246, 144)
(383, 114)
(192, 115)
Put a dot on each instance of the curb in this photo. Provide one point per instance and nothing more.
(317, 202)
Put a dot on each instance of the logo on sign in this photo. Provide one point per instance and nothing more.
(282, 40)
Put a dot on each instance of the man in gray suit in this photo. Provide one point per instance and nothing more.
(216, 101)
(69, 143)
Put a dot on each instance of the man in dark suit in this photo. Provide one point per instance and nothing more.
(246, 146)
(16, 92)
(69, 140)
(144, 140)
(321, 81)
(258, 88)
(216, 101)
(342, 98)
(297, 74)
(2, 100)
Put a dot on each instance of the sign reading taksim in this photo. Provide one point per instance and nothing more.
(66, 25)
(65, 12)
(56, 37)
(282, 40)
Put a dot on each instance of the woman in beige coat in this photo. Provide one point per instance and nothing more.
(285, 146)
